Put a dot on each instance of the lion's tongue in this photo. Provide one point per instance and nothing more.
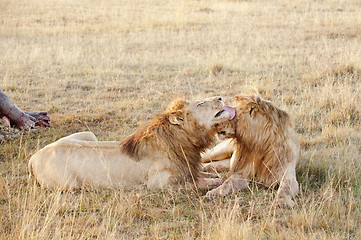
(231, 111)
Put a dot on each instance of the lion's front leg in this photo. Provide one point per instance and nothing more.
(159, 179)
(208, 183)
(288, 189)
(207, 175)
(219, 166)
(221, 151)
(204, 183)
(233, 184)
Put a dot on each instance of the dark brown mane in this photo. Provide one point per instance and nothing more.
(182, 144)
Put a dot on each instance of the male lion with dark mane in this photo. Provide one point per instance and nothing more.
(164, 152)
(264, 148)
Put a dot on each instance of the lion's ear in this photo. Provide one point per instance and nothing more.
(253, 108)
(241, 99)
(236, 98)
(176, 120)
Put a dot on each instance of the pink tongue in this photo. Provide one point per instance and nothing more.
(231, 111)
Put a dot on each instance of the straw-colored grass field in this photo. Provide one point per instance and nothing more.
(109, 66)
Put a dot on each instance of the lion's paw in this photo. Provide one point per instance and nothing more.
(285, 202)
(209, 168)
(215, 168)
(213, 194)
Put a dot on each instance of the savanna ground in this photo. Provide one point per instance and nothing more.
(108, 66)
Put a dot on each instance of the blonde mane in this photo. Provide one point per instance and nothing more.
(262, 146)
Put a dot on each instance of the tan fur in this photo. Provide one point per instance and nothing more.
(266, 149)
(221, 151)
(164, 152)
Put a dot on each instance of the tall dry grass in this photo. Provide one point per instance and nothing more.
(108, 66)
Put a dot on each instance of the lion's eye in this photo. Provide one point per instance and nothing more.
(200, 104)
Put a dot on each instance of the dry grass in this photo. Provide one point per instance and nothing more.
(108, 66)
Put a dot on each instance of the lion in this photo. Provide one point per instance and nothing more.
(165, 152)
(264, 148)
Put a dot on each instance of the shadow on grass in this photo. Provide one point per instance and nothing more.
(312, 176)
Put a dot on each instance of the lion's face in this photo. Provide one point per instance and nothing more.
(210, 111)
(226, 129)
(246, 109)
(254, 116)
(206, 113)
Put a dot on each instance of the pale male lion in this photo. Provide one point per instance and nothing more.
(162, 153)
(264, 148)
